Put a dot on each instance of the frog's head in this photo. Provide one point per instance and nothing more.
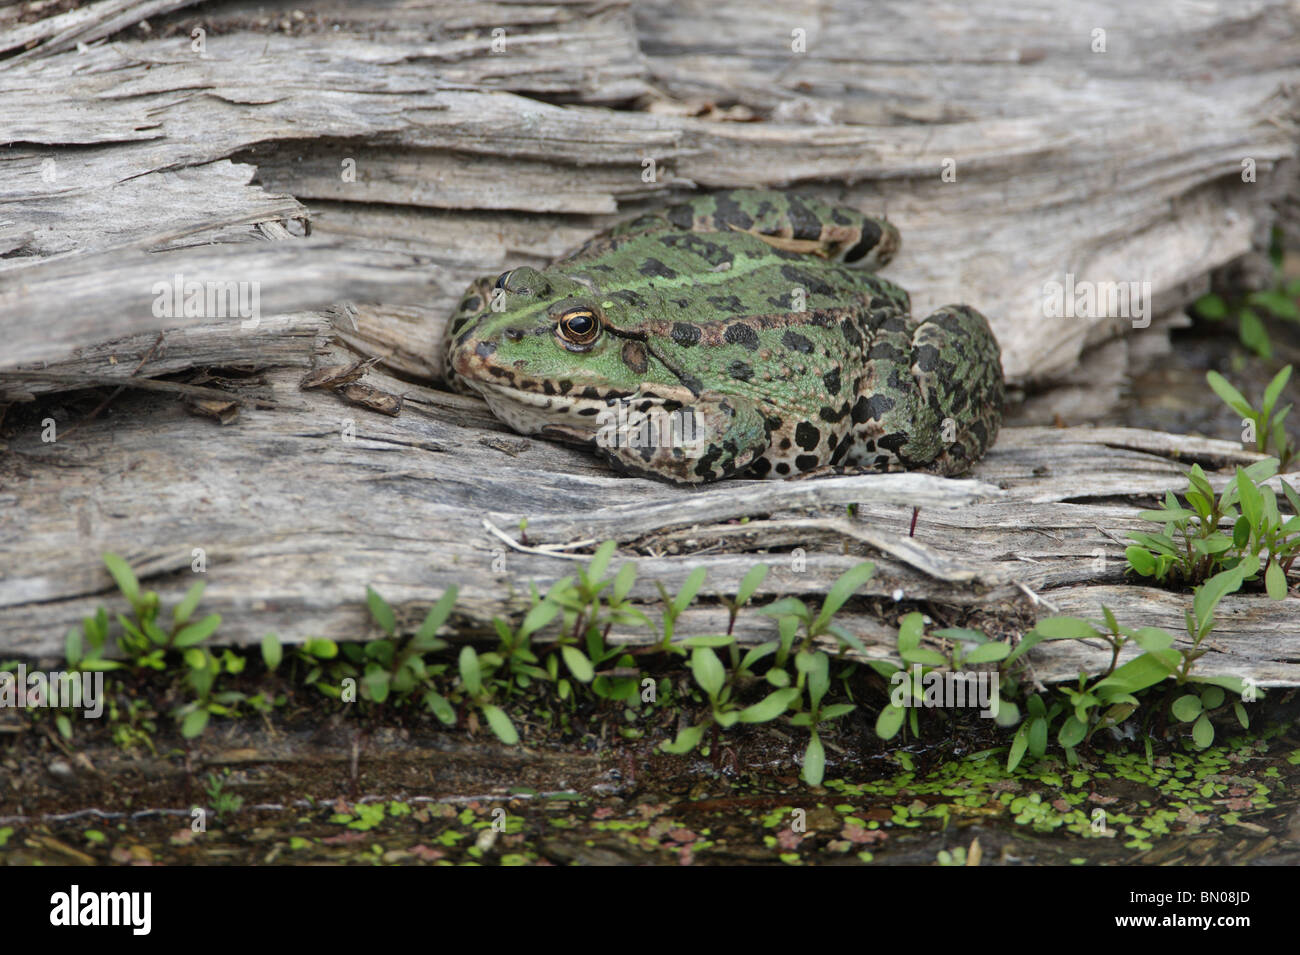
(551, 359)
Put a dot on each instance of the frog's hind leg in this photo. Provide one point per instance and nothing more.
(703, 440)
(785, 221)
(957, 364)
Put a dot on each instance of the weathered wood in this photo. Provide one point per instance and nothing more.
(419, 158)
(295, 521)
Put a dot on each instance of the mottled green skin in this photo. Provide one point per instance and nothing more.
(699, 312)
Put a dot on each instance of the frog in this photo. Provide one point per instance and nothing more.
(752, 320)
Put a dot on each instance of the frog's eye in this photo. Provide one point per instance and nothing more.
(578, 329)
(503, 278)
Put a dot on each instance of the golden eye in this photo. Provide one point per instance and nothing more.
(578, 328)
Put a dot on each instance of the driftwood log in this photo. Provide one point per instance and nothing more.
(357, 166)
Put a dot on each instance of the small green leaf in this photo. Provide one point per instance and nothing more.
(1038, 737)
(1141, 560)
(988, 653)
(1248, 495)
(272, 652)
(380, 610)
(846, 638)
(322, 648)
(835, 711)
(1233, 398)
(578, 663)
(1275, 581)
(376, 681)
(1207, 596)
(1072, 732)
(708, 670)
(623, 582)
(1153, 638)
(890, 721)
(689, 589)
(73, 649)
(1203, 732)
(750, 583)
(910, 630)
(1186, 708)
(843, 588)
(1212, 697)
(538, 617)
(434, 619)
(714, 640)
(770, 707)
(123, 575)
(501, 725)
(1254, 336)
(1212, 307)
(1274, 390)
(194, 723)
(198, 632)
(439, 707)
(600, 561)
(185, 609)
(1066, 628)
(471, 674)
(814, 761)
(924, 656)
(1240, 711)
(1019, 744)
(686, 740)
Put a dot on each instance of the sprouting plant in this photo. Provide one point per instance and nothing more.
(749, 584)
(910, 681)
(221, 801)
(1109, 699)
(204, 667)
(1279, 300)
(675, 606)
(478, 686)
(1192, 546)
(721, 686)
(814, 672)
(1265, 425)
(393, 665)
(144, 641)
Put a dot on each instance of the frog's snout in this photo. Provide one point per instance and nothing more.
(471, 358)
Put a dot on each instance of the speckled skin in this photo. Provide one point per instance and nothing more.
(697, 309)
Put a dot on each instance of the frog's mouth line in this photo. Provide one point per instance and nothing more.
(566, 417)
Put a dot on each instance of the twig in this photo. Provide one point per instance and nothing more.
(113, 397)
(1043, 601)
(545, 550)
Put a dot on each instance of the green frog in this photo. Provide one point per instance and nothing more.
(742, 333)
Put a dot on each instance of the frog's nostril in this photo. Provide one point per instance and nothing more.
(514, 335)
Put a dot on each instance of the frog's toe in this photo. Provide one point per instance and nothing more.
(691, 444)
